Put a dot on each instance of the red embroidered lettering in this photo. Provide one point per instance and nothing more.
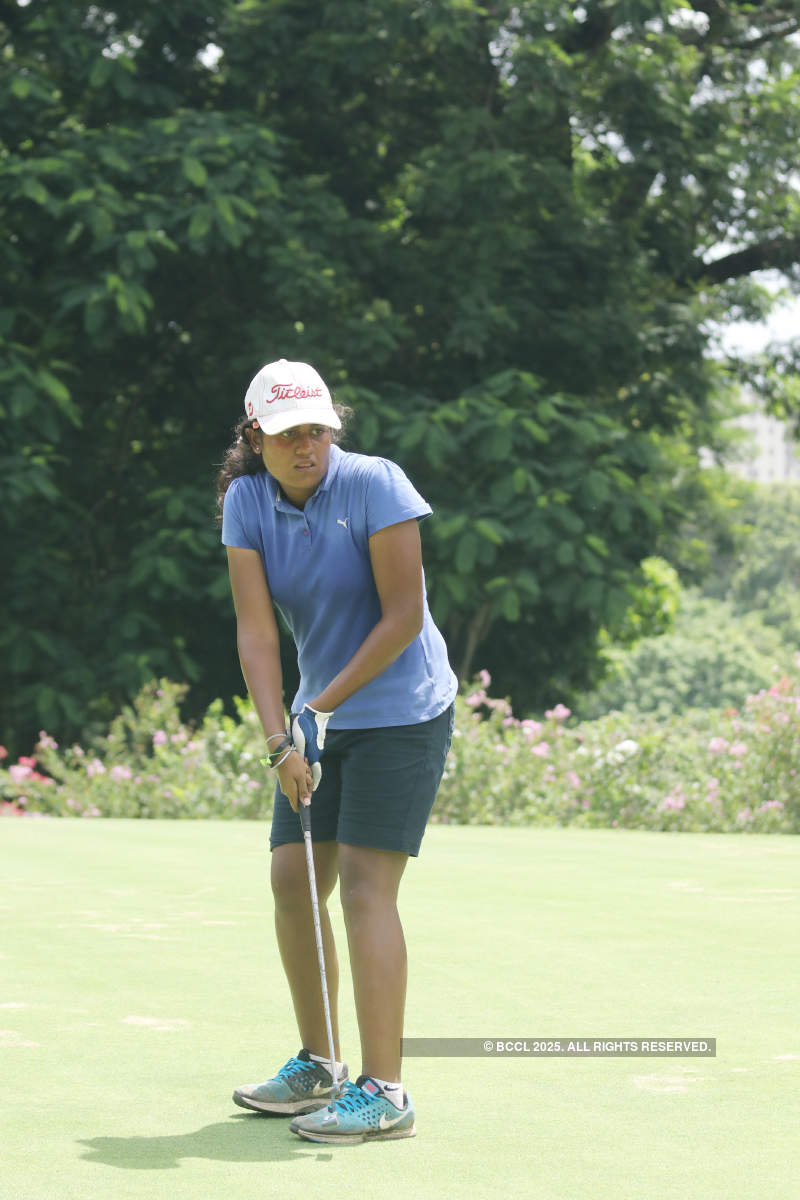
(291, 391)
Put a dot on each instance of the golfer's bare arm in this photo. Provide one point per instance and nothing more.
(396, 558)
(259, 651)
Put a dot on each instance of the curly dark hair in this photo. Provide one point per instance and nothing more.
(239, 458)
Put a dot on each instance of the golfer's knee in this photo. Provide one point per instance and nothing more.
(363, 896)
(356, 899)
(289, 892)
(289, 878)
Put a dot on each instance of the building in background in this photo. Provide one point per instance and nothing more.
(768, 452)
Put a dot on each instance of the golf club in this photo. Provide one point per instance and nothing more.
(331, 1117)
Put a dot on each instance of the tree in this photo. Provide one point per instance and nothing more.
(713, 658)
(496, 229)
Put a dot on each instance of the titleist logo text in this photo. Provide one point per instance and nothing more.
(292, 391)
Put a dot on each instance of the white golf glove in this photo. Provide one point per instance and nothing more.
(308, 734)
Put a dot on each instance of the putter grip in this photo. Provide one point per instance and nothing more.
(305, 817)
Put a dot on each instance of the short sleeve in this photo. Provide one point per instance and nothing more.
(391, 497)
(234, 531)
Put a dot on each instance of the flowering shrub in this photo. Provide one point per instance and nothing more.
(704, 770)
(150, 765)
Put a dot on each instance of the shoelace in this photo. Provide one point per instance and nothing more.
(353, 1098)
(295, 1064)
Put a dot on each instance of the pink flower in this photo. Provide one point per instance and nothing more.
(3, 752)
(541, 750)
(121, 772)
(675, 803)
(95, 767)
(20, 771)
(559, 713)
(27, 762)
(531, 729)
(473, 700)
(485, 678)
(160, 737)
(46, 742)
(738, 749)
(717, 745)
(574, 779)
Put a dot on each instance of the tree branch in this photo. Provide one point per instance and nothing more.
(771, 35)
(778, 253)
(781, 22)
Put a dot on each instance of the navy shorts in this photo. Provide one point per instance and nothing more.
(377, 788)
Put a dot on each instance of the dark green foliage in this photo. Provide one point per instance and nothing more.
(543, 505)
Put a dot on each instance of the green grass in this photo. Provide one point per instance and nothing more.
(140, 984)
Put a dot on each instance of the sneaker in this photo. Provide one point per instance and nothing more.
(301, 1086)
(361, 1114)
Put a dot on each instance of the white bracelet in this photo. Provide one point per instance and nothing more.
(283, 760)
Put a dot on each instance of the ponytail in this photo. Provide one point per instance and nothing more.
(239, 459)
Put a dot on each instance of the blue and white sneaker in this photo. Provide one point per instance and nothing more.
(361, 1114)
(301, 1086)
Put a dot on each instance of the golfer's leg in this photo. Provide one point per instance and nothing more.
(369, 880)
(294, 926)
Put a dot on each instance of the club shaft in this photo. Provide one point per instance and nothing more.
(312, 884)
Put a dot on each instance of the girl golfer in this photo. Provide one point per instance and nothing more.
(331, 539)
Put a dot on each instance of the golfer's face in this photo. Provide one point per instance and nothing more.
(298, 459)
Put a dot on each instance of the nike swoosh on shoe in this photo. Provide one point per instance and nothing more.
(387, 1122)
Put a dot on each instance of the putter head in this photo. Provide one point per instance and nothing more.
(331, 1116)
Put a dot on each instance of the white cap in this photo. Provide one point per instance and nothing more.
(284, 394)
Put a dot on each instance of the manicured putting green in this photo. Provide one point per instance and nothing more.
(140, 984)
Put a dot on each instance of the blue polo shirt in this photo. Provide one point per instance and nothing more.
(319, 573)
